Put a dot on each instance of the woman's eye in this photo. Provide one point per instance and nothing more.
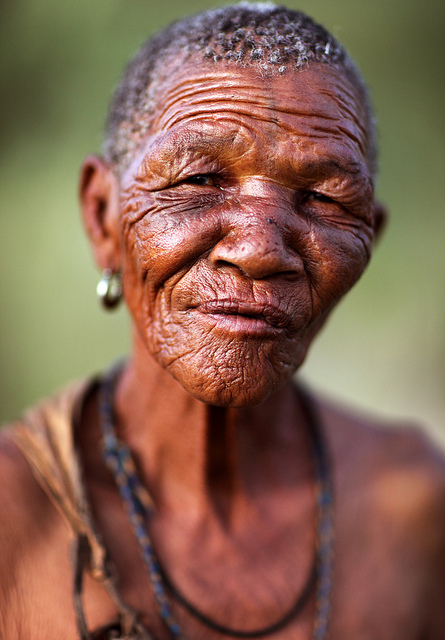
(202, 180)
(314, 196)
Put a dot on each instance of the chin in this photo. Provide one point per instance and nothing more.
(240, 372)
(232, 387)
(234, 396)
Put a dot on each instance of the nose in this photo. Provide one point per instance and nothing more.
(259, 244)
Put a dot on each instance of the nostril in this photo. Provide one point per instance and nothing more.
(219, 263)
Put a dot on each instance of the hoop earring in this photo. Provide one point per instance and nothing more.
(109, 289)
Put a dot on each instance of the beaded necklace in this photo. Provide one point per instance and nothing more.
(118, 459)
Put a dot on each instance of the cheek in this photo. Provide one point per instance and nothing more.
(160, 244)
(165, 235)
(336, 261)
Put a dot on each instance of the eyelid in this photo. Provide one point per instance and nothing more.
(349, 206)
(200, 179)
(319, 197)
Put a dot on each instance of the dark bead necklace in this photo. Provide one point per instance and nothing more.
(118, 459)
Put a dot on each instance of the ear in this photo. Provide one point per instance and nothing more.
(380, 219)
(99, 197)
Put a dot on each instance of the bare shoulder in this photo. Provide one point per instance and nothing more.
(22, 506)
(390, 501)
(378, 451)
(31, 533)
(22, 501)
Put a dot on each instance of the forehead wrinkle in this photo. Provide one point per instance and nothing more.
(311, 124)
(196, 91)
(325, 124)
(351, 109)
(257, 106)
(331, 88)
(354, 127)
(193, 84)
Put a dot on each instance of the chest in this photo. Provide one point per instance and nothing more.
(378, 593)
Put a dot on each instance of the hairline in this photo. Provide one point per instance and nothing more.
(134, 127)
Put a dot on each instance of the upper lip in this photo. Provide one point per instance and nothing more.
(271, 313)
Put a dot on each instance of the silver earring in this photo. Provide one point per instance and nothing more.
(109, 288)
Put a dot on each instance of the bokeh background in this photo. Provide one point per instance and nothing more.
(384, 348)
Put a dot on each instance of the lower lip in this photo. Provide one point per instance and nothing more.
(240, 325)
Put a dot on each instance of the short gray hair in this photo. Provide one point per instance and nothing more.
(272, 38)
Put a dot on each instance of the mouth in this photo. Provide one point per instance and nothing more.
(245, 317)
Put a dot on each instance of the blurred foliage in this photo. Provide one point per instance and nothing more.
(385, 346)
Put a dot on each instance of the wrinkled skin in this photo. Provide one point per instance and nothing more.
(246, 215)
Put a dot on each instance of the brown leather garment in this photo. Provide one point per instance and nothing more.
(45, 436)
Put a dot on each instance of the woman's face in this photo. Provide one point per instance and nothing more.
(245, 216)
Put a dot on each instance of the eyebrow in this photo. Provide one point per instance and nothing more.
(214, 139)
(329, 166)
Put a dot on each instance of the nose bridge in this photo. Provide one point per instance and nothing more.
(256, 237)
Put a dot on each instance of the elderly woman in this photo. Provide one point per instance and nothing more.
(189, 491)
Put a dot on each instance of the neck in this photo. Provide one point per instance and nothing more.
(200, 457)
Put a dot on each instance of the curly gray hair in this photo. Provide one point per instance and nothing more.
(269, 37)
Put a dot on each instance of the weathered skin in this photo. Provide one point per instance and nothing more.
(259, 207)
(243, 218)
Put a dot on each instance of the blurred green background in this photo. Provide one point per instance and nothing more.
(384, 348)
